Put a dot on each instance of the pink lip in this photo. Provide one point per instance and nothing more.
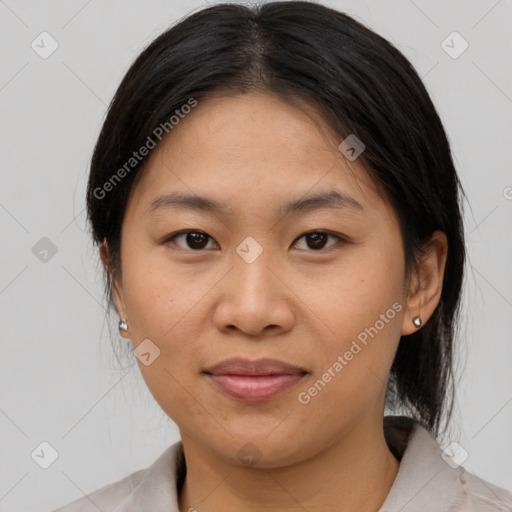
(254, 381)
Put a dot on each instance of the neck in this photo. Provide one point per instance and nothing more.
(357, 471)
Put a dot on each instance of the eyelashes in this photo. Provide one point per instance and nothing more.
(198, 241)
(318, 241)
(190, 237)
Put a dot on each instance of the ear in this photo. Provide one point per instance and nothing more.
(116, 286)
(426, 284)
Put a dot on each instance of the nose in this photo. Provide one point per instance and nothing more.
(255, 299)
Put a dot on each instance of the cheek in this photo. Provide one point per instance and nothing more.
(362, 307)
(168, 304)
(164, 306)
(160, 298)
(351, 377)
(354, 295)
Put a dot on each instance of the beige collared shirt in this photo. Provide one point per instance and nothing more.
(425, 481)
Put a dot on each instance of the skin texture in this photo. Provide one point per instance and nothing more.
(305, 306)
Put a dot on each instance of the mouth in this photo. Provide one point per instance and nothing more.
(254, 381)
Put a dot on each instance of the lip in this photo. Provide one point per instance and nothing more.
(254, 381)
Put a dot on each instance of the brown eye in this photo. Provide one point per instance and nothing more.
(317, 240)
(194, 240)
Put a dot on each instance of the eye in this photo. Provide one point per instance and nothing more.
(196, 240)
(317, 240)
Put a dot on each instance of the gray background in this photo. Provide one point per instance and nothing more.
(60, 379)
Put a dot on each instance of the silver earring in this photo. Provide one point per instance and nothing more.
(417, 321)
(123, 325)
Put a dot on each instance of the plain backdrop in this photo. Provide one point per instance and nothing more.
(60, 380)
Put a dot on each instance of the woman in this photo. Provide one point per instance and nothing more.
(278, 217)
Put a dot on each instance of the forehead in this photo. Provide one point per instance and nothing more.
(251, 145)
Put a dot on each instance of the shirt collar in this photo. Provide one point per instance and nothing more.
(425, 481)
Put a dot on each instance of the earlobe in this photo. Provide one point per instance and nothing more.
(119, 303)
(414, 316)
(427, 286)
(116, 293)
(123, 327)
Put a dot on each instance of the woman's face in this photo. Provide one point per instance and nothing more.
(255, 282)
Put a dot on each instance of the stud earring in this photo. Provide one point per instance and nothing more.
(417, 321)
(123, 325)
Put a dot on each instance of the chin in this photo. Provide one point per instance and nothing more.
(265, 449)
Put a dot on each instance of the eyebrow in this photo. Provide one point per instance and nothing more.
(329, 199)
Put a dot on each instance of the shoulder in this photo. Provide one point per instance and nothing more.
(480, 496)
(429, 479)
(108, 498)
(135, 489)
